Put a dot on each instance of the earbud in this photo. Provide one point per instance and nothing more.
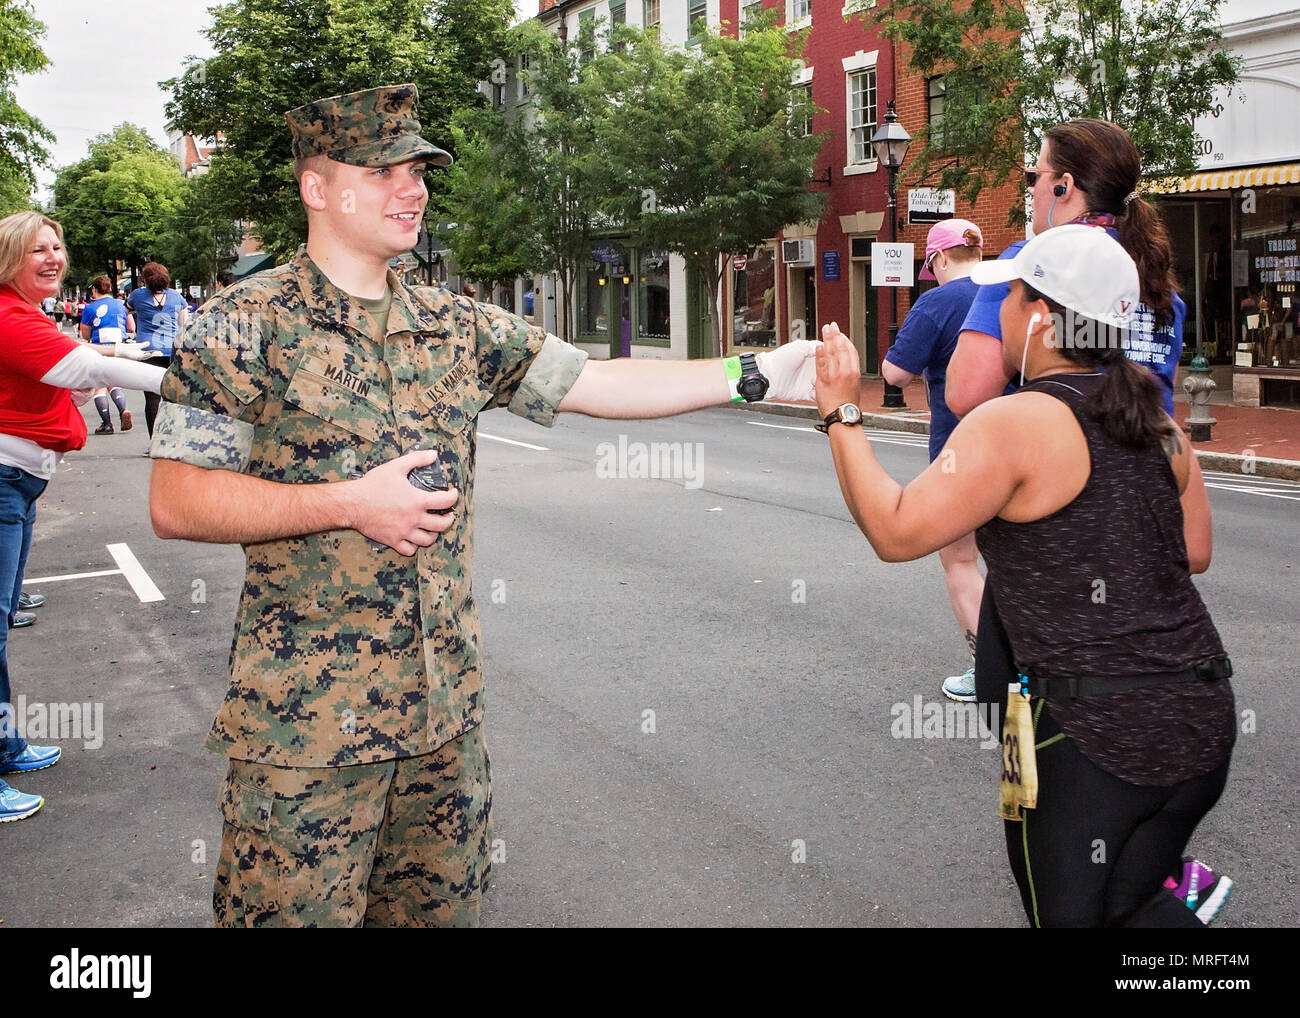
(1059, 190)
(1034, 319)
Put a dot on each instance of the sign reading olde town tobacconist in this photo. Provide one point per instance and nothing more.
(930, 204)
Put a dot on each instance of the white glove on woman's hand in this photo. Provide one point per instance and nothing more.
(791, 370)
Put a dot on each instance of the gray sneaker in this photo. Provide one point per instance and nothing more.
(961, 687)
(23, 619)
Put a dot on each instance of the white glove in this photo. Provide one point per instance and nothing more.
(132, 350)
(791, 370)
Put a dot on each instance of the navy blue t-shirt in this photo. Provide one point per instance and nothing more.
(925, 343)
(1158, 351)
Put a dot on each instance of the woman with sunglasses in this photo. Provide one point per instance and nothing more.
(1088, 172)
(1091, 514)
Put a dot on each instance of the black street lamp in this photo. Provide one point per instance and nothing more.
(890, 143)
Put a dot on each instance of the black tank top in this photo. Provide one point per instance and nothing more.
(1101, 587)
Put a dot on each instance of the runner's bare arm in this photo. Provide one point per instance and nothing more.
(1198, 526)
(976, 372)
(966, 486)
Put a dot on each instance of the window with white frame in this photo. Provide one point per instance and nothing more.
(587, 23)
(696, 11)
(749, 9)
(803, 108)
(798, 13)
(862, 114)
(650, 14)
(521, 74)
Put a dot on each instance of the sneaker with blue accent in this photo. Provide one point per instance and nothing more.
(28, 601)
(16, 805)
(1201, 890)
(961, 687)
(33, 758)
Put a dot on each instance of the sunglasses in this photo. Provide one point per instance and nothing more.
(1031, 176)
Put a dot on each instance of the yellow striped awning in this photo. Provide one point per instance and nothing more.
(1225, 180)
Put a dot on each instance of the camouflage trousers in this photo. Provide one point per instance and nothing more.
(399, 843)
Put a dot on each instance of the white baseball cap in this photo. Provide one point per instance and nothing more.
(1080, 267)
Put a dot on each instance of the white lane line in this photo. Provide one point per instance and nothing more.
(894, 437)
(511, 441)
(70, 576)
(145, 589)
(779, 427)
(1251, 491)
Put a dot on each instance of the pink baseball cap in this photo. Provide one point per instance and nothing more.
(949, 233)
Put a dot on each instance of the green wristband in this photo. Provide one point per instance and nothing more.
(731, 365)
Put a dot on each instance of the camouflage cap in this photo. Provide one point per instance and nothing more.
(377, 127)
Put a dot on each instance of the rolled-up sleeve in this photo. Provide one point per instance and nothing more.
(524, 368)
(214, 389)
(547, 381)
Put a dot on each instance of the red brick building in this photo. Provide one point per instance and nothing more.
(817, 273)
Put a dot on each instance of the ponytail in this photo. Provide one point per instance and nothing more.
(1128, 405)
(1107, 167)
(1143, 235)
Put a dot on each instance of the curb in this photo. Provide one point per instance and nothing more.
(1225, 462)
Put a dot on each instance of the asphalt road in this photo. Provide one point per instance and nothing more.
(737, 602)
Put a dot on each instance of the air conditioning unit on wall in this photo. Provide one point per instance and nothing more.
(797, 252)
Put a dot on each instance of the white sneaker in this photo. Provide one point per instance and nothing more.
(961, 687)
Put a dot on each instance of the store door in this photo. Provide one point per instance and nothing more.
(625, 315)
(870, 326)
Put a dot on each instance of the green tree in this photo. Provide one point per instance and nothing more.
(1013, 70)
(22, 136)
(528, 195)
(117, 203)
(702, 150)
(273, 55)
(493, 236)
(199, 240)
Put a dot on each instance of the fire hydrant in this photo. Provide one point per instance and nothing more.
(1199, 385)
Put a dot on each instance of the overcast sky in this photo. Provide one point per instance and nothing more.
(106, 59)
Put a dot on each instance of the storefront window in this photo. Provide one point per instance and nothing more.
(754, 308)
(593, 318)
(1268, 316)
(652, 300)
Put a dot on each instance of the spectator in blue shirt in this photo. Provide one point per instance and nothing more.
(104, 324)
(923, 346)
(160, 315)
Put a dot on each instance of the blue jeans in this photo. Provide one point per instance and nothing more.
(19, 491)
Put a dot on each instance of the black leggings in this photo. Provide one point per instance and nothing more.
(1096, 850)
(152, 399)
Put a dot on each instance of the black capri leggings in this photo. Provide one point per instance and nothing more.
(1096, 850)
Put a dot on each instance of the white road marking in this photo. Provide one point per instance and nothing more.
(1251, 491)
(511, 441)
(890, 437)
(27, 580)
(145, 589)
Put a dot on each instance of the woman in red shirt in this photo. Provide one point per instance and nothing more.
(39, 368)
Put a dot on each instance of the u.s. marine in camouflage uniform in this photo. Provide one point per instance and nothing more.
(358, 788)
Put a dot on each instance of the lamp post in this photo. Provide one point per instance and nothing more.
(890, 143)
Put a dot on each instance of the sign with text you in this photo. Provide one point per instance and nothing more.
(891, 264)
